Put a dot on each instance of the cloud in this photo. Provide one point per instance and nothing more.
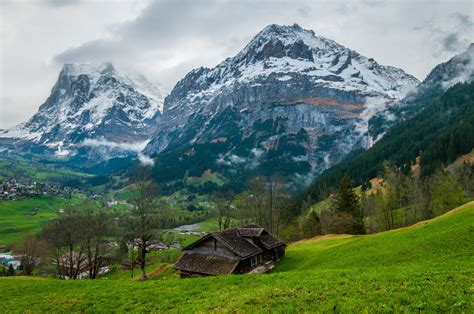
(61, 3)
(448, 35)
(91, 52)
(127, 147)
(145, 160)
(133, 147)
(464, 69)
(169, 37)
(451, 42)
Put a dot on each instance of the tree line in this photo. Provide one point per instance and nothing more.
(399, 198)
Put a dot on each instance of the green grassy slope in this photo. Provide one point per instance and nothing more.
(14, 223)
(30, 168)
(429, 267)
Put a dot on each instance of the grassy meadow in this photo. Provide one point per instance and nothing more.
(15, 221)
(20, 167)
(426, 267)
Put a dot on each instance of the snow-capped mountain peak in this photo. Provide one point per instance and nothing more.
(93, 101)
(285, 54)
(274, 37)
(309, 88)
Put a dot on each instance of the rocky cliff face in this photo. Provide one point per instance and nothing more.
(95, 107)
(459, 68)
(290, 101)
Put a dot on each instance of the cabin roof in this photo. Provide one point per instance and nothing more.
(237, 243)
(250, 232)
(235, 240)
(207, 264)
(269, 241)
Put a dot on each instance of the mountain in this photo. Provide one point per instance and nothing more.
(290, 101)
(459, 68)
(91, 106)
(438, 135)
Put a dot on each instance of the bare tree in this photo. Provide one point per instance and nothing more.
(31, 252)
(223, 210)
(96, 227)
(65, 238)
(269, 199)
(257, 199)
(279, 197)
(143, 220)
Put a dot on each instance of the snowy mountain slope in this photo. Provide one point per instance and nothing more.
(92, 102)
(293, 97)
(284, 52)
(459, 68)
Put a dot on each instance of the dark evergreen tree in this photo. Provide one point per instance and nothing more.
(347, 201)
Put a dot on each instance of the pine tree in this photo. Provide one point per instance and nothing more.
(347, 201)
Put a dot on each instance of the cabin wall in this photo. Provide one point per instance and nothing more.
(274, 254)
(245, 265)
(280, 251)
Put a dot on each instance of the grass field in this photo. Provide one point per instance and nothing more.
(426, 267)
(14, 221)
(31, 169)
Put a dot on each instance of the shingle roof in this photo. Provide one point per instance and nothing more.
(269, 241)
(236, 243)
(254, 230)
(206, 264)
(250, 232)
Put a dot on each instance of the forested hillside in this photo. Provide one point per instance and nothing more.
(438, 135)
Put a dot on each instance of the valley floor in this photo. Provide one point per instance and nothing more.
(427, 267)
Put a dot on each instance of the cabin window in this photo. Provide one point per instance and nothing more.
(260, 259)
(253, 261)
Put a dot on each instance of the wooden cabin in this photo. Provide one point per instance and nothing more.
(240, 250)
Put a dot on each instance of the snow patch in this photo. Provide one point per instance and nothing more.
(284, 78)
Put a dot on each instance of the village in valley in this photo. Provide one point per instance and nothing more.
(12, 189)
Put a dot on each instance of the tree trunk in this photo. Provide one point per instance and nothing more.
(143, 263)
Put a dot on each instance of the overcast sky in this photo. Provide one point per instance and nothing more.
(166, 39)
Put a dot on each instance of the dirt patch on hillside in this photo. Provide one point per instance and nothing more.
(159, 270)
(467, 158)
